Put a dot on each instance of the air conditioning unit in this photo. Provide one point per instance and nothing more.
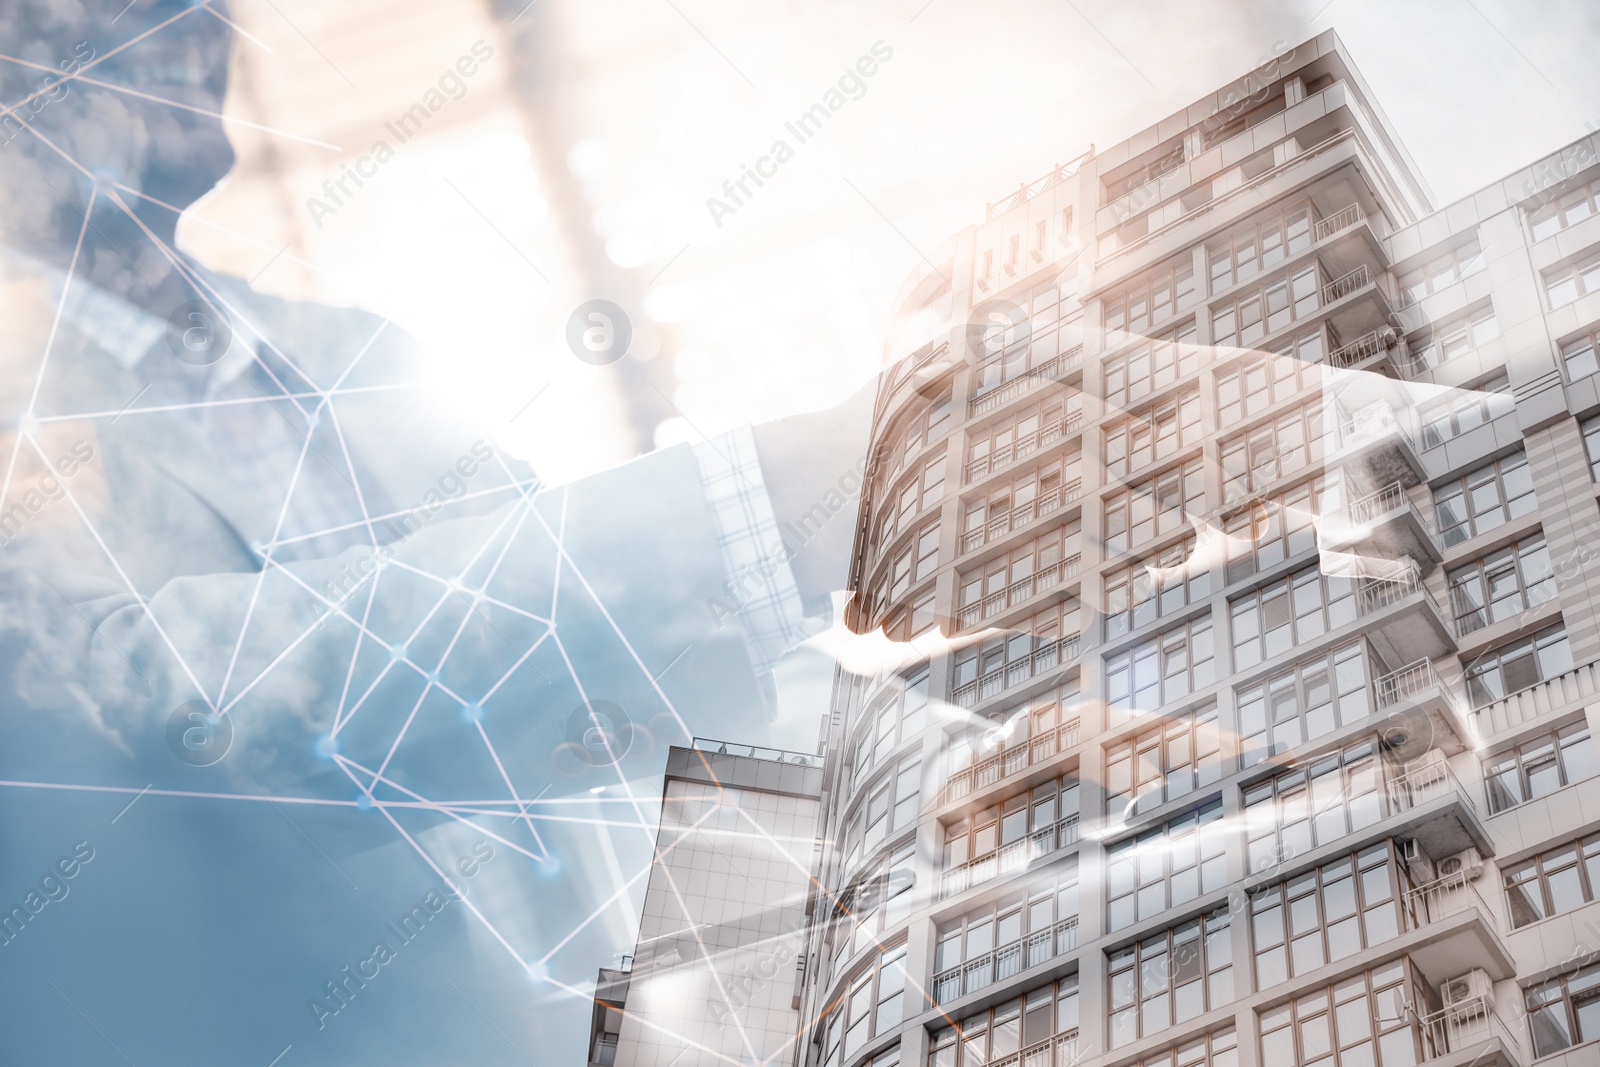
(1472, 986)
(1418, 865)
(1468, 864)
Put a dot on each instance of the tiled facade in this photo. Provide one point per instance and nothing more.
(1246, 504)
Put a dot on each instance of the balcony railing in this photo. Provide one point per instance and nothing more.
(1016, 672)
(1579, 685)
(1022, 515)
(1008, 859)
(1001, 963)
(1471, 1022)
(1009, 761)
(1047, 371)
(1058, 1051)
(1447, 896)
(1405, 683)
(1365, 509)
(1423, 783)
(1020, 591)
(1374, 420)
(1342, 219)
(1374, 592)
(776, 755)
(1346, 284)
(1028, 443)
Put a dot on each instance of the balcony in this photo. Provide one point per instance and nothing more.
(1009, 859)
(1380, 351)
(1384, 525)
(1558, 694)
(1380, 442)
(1402, 621)
(1001, 963)
(1470, 1034)
(1420, 712)
(1441, 817)
(1009, 761)
(1046, 372)
(1025, 445)
(1020, 591)
(1013, 674)
(1022, 515)
(1058, 1051)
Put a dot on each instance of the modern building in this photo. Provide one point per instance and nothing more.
(715, 976)
(1246, 504)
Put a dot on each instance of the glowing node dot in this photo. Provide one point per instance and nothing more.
(364, 802)
(397, 653)
(472, 712)
(327, 746)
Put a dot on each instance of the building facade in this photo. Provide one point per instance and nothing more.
(1244, 503)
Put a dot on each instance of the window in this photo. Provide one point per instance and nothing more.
(1553, 882)
(1169, 160)
(1325, 915)
(1155, 433)
(1151, 366)
(1159, 505)
(1012, 578)
(1517, 665)
(1303, 702)
(1485, 498)
(1260, 247)
(875, 903)
(897, 712)
(1277, 449)
(1169, 978)
(1220, 1048)
(1357, 1023)
(1001, 939)
(1037, 813)
(1027, 431)
(1255, 383)
(1569, 209)
(1037, 1019)
(1152, 301)
(1591, 445)
(1269, 621)
(1166, 866)
(1566, 284)
(1009, 346)
(1034, 647)
(916, 495)
(1466, 409)
(1501, 584)
(1142, 592)
(915, 562)
(875, 1001)
(924, 427)
(1244, 320)
(1539, 766)
(1565, 1011)
(1021, 730)
(1277, 527)
(1293, 812)
(1578, 355)
(1168, 761)
(1029, 496)
(1439, 274)
(1457, 337)
(1160, 671)
(890, 806)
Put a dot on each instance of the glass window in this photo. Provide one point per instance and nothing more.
(1220, 1048)
(1168, 761)
(1277, 527)
(1556, 212)
(1154, 433)
(1293, 812)
(1555, 881)
(1578, 356)
(1565, 1010)
(1566, 284)
(1518, 664)
(1538, 766)
(1026, 431)
(874, 1000)
(1485, 498)
(1304, 702)
(1010, 835)
(1158, 505)
(1324, 915)
(1271, 620)
(1028, 570)
(1502, 584)
(1457, 337)
(1466, 409)
(1163, 669)
(1259, 246)
(1166, 866)
(1031, 1024)
(1440, 272)
(1167, 979)
(1152, 301)
(1142, 592)
(1032, 494)
(1245, 320)
(1150, 366)
(1359, 1022)
(1255, 383)
(1000, 939)
(1277, 449)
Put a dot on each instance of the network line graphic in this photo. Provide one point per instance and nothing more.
(424, 650)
